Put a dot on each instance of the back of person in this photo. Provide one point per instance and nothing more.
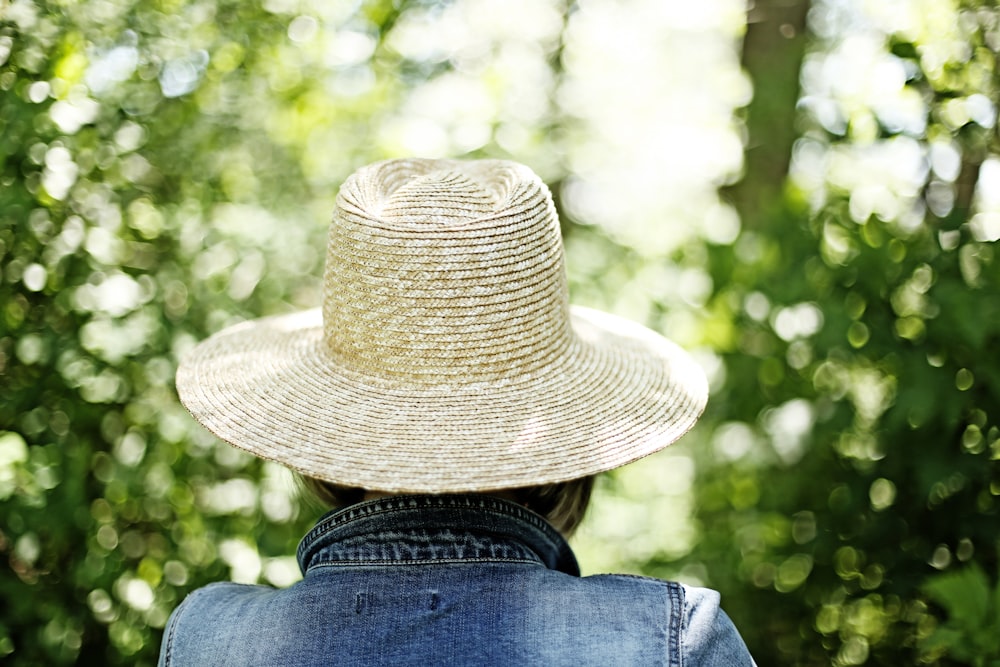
(444, 615)
(411, 581)
(449, 386)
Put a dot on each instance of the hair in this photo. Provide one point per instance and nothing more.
(563, 504)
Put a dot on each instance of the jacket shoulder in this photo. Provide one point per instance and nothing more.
(705, 635)
(708, 635)
(204, 618)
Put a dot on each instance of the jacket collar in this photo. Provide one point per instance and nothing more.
(434, 528)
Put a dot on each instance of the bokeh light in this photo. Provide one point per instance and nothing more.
(168, 169)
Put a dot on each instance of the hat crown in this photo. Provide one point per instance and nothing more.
(445, 271)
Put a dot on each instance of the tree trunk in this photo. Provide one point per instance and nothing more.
(773, 49)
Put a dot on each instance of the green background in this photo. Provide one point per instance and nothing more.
(810, 213)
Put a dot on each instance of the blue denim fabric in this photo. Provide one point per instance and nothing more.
(449, 580)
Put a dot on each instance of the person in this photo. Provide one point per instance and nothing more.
(448, 395)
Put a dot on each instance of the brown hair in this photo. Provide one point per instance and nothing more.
(563, 504)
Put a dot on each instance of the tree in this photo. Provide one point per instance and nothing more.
(863, 374)
(167, 168)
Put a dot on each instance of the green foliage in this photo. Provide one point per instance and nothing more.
(971, 633)
(858, 426)
(138, 215)
(166, 168)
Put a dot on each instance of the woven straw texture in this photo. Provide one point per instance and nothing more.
(446, 356)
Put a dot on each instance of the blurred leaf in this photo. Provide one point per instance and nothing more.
(965, 594)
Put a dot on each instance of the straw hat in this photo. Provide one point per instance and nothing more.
(446, 356)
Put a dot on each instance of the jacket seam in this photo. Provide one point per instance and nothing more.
(176, 621)
(422, 561)
(638, 577)
(677, 623)
(676, 617)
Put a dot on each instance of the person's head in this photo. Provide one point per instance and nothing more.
(563, 504)
(446, 357)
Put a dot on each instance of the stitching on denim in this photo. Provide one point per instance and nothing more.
(461, 546)
(181, 610)
(383, 505)
(374, 508)
(328, 565)
(677, 623)
(637, 577)
(675, 618)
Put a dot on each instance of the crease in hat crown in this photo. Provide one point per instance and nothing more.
(444, 271)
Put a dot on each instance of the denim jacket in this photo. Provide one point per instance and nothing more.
(448, 580)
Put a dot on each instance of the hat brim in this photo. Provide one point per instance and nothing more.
(268, 386)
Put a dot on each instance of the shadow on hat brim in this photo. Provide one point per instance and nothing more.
(618, 393)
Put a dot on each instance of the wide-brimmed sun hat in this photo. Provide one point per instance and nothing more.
(446, 356)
